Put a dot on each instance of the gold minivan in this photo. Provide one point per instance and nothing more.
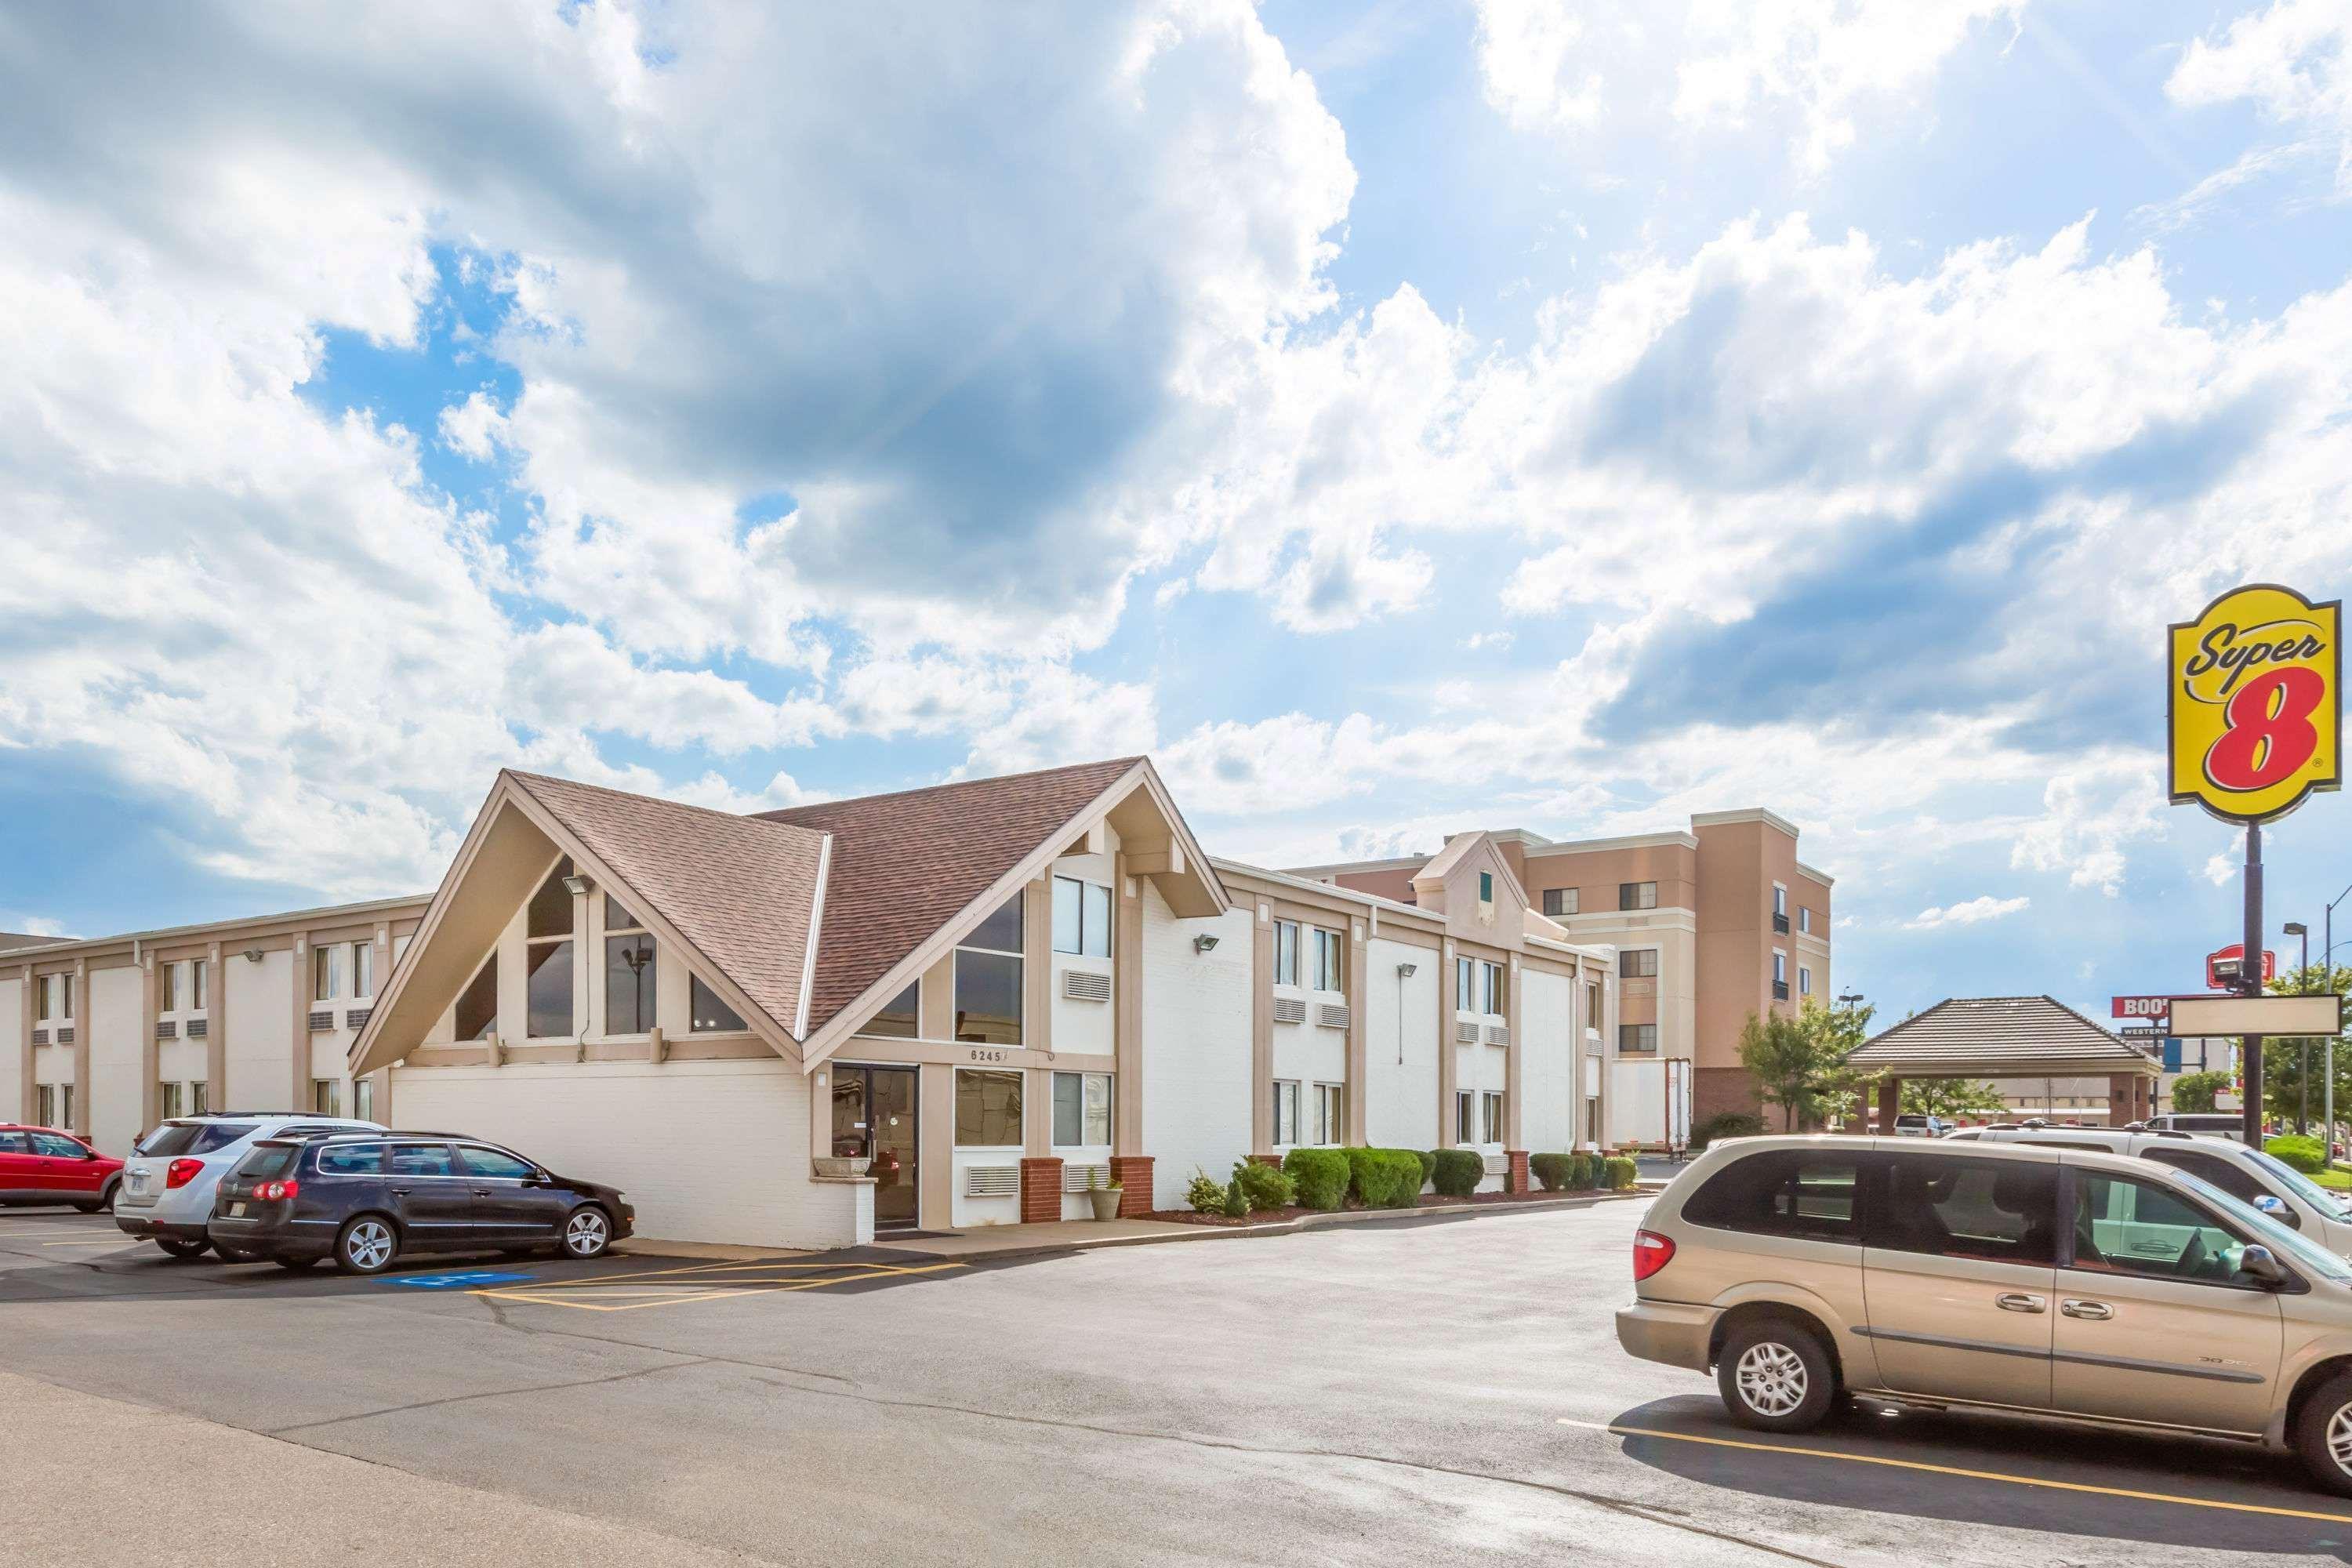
(2058, 1282)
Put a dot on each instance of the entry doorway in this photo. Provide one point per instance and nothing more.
(874, 1117)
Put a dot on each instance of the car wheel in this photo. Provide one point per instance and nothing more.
(183, 1250)
(2323, 1435)
(1776, 1377)
(587, 1232)
(368, 1245)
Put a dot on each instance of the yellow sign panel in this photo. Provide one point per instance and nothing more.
(2255, 702)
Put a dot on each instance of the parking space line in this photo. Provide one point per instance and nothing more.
(1958, 1471)
(112, 1241)
(679, 1292)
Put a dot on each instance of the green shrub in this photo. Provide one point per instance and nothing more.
(1233, 1204)
(1551, 1169)
(1384, 1178)
(1320, 1176)
(1617, 1174)
(1456, 1173)
(1203, 1194)
(1264, 1187)
(1579, 1175)
(1726, 1124)
(2304, 1153)
(1428, 1164)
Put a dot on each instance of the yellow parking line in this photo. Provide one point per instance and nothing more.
(1957, 1470)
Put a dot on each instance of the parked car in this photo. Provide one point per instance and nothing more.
(43, 1165)
(1911, 1124)
(2008, 1276)
(367, 1201)
(169, 1180)
(2213, 1123)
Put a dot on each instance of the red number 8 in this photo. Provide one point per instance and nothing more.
(2263, 746)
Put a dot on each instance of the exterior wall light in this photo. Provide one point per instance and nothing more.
(1203, 943)
(253, 955)
(1404, 971)
(578, 886)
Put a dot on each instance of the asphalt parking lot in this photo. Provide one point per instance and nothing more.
(1448, 1393)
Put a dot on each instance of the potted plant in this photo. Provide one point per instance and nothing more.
(1104, 1196)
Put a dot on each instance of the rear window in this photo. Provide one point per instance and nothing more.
(351, 1159)
(177, 1138)
(268, 1160)
(1783, 1191)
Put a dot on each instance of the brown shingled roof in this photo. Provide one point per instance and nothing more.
(739, 889)
(906, 864)
(2037, 1034)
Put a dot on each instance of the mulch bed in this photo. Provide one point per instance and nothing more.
(1428, 1200)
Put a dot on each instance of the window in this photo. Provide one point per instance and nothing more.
(351, 1159)
(2123, 1226)
(629, 973)
(1330, 1113)
(709, 1013)
(1637, 964)
(1285, 952)
(199, 987)
(1286, 1111)
(56, 1148)
(1462, 1116)
(1779, 901)
(56, 993)
(15, 1143)
(495, 1162)
(1804, 918)
(987, 1109)
(1804, 980)
(1637, 1039)
(1592, 1003)
(421, 1160)
(362, 1099)
(1478, 986)
(362, 971)
(900, 1018)
(44, 993)
(988, 994)
(1081, 918)
(2005, 1211)
(477, 1006)
(167, 1099)
(65, 1105)
(1485, 887)
(167, 988)
(199, 1098)
(326, 1097)
(327, 972)
(550, 911)
(44, 1100)
(1780, 968)
(1637, 895)
(1081, 1109)
(1491, 1120)
(548, 950)
(1326, 949)
(1783, 1191)
(2227, 1174)
(1560, 901)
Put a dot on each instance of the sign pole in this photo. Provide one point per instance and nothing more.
(2250, 981)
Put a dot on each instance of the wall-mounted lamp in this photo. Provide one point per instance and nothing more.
(1203, 943)
(253, 955)
(577, 885)
(1404, 971)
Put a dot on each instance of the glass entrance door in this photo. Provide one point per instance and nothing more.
(873, 1116)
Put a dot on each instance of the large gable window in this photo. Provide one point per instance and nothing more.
(901, 1017)
(477, 1006)
(988, 990)
(548, 958)
(628, 972)
(711, 1015)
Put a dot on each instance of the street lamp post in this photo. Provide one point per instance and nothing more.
(2303, 1066)
(2328, 1091)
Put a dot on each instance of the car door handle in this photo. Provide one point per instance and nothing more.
(2019, 1302)
(401, 1192)
(483, 1192)
(2093, 1311)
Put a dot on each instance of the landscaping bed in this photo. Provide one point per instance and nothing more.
(1427, 1201)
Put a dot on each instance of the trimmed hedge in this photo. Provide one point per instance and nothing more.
(1204, 1193)
(2305, 1154)
(1551, 1169)
(1320, 1176)
(1726, 1124)
(1428, 1164)
(1617, 1174)
(1456, 1173)
(1264, 1187)
(1384, 1178)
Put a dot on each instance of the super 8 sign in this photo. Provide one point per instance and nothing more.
(2255, 702)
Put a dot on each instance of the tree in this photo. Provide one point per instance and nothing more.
(1951, 1096)
(2195, 1090)
(2287, 1059)
(1798, 1062)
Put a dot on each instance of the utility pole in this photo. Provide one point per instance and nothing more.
(2250, 983)
(2303, 1066)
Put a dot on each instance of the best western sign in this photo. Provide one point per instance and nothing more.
(2255, 704)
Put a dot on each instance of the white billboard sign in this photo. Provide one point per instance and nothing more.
(2205, 1017)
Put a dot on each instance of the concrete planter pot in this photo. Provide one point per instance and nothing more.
(1105, 1202)
(841, 1164)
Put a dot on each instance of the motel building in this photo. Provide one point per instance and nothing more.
(934, 1009)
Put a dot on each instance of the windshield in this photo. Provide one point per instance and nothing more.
(2296, 1182)
(2286, 1244)
(177, 1138)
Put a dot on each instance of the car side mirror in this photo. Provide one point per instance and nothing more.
(2278, 1209)
(2257, 1264)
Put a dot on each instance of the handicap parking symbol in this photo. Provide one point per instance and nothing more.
(457, 1281)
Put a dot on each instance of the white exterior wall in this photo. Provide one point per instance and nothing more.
(260, 1051)
(741, 1177)
(1401, 1108)
(180, 1061)
(1196, 1047)
(12, 1051)
(1547, 1061)
(114, 1021)
(1082, 1027)
(1308, 1053)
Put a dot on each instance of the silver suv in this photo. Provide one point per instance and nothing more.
(2048, 1281)
(166, 1195)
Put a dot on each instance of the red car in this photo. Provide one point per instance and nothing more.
(42, 1165)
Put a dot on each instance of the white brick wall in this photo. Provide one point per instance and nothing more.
(110, 1014)
(1196, 1047)
(260, 1056)
(1547, 1061)
(1401, 1108)
(12, 1051)
(712, 1150)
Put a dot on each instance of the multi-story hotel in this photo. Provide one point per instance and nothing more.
(941, 1007)
(1708, 926)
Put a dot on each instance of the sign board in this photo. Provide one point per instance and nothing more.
(2253, 702)
(2142, 1007)
(2224, 965)
(2204, 1016)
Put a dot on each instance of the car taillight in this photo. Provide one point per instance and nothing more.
(1652, 1252)
(271, 1192)
(180, 1172)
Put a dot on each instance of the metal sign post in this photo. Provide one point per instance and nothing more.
(2249, 982)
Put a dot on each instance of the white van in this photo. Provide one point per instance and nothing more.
(2206, 1123)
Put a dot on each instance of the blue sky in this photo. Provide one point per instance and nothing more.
(1394, 417)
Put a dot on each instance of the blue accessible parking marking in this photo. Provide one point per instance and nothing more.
(456, 1281)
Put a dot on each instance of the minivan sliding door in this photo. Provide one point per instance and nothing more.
(1958, 1268)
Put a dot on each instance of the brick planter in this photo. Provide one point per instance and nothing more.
(1133, 1175)
(1041, 1189)
(1515, 1179)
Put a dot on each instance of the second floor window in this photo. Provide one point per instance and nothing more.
(629, 972)
(1560, 901)
(710, 1015)
(1804, 918)
(547, 956)
(477, 1004)
(1285, 952)
(1637, 1039)
(1478, 986)
(167, 988)
(1779, 899)
(1804, 981)
(1081, 918)
(327, 972)
(1326, 947)
(1637, 964)
(987, 985)
(1637, 895)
